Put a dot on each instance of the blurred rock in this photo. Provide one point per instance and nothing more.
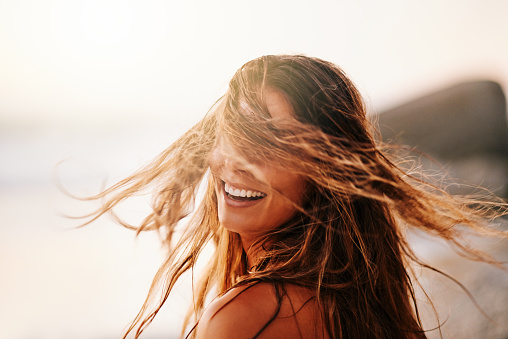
(463, 127)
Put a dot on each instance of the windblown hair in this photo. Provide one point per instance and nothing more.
(346, 242)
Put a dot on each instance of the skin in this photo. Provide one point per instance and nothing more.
(283, 189)
(242, 312)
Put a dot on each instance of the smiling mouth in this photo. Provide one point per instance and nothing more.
(241, 194)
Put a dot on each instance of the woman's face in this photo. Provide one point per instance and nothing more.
(255, 197)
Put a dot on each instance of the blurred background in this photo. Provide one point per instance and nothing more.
(105, 85)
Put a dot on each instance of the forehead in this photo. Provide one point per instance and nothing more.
(277, 105)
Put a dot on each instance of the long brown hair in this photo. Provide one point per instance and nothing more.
(347, 240)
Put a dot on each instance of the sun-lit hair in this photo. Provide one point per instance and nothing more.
(347, 240)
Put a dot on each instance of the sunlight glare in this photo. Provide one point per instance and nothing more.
(106, 21)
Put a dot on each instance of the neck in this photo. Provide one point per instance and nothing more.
(253, 251)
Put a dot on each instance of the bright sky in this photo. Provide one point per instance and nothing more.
(108, 61)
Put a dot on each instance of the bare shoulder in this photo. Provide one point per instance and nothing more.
(255, 311)
(240, 313)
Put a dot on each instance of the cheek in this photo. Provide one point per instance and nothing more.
(290, 186)
(289, 190)
(282, 205)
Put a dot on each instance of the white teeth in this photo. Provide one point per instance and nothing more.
(242, 193)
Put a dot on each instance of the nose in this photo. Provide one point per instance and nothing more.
(224, 157)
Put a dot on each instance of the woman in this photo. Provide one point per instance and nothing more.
(305, 209)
